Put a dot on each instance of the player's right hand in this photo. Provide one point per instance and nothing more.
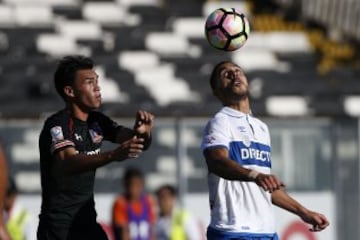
(269, 182)
(131, 148)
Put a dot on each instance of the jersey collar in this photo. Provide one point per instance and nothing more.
(234, 113)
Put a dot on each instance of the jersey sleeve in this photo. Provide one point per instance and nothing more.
(216, 134)
(60, 135)
(108, 126)
(120, 217)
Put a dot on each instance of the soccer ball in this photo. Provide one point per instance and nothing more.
(227, 29)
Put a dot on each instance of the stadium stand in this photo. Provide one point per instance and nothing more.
(153, 53)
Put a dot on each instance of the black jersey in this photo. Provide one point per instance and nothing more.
(67, 199)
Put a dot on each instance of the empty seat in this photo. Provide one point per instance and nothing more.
(352, 105)
(139, 2)
(7, 16)
(287, 106)
(80, 29)
(59, 45)
(257, 59)
(43, 2)
(135, 60)
(210, 6)
(189, 27)
(104, 12)
(111, 92)
(164, 87)
(33, 15)
(169, 44)
(282, 42)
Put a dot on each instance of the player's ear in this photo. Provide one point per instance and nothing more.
(69, 91)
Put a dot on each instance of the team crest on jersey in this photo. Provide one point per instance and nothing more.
(96, 133)
(246, 140)
(56, 134)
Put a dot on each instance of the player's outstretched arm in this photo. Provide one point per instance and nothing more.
(219, 163)
(144, 123)
(281, 199)
(142, 128)
(70, 161)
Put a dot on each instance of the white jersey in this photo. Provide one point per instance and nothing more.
(239, 206)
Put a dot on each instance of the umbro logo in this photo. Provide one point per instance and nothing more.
(242, 129)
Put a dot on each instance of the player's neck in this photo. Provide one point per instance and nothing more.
(77, 112)
(241, 106)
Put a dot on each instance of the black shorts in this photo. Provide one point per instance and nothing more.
(88, 232)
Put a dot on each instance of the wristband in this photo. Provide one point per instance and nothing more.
(253, 174)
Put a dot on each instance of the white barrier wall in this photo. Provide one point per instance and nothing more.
(289, 226)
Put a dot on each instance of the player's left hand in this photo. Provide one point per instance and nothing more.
(318, 221)
(144, 122)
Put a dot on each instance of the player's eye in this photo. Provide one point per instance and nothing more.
(89, 81)
(227, 74)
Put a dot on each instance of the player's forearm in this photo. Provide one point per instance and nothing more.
(79, 163)
(228, 169)
(124, 134)
(281, 199)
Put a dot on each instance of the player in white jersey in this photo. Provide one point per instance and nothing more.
(237, 149)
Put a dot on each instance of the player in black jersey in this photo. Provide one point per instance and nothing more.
(70, 144)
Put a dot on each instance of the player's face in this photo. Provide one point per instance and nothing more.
(166, 201)
(232, 82)
(135, 187)
(86, 89)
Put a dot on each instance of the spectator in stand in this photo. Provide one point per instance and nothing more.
(133, 211)
(173, 222)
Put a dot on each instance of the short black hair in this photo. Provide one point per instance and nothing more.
(216, 73)
(131, 173)
(66, 71)
(167, 187)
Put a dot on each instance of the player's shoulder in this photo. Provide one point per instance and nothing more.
(260, 123)
(220, 118)
(217, 121)
(59, 118)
